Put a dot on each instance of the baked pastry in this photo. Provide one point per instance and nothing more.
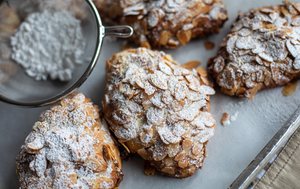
(159, 110)
(164, 23)
(70, 147)
(262, 51)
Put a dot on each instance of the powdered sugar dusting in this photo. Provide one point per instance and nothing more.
(69, 148)
(49, 44)
(269, 110)
(260, 52)
(162, 23)
(234, 116)
(171, 101)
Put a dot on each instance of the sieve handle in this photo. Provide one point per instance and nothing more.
(118, 31)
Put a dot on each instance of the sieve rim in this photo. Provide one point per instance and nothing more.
(84, 76)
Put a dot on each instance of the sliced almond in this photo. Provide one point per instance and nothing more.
(148, 169)
(183, 164)
(184, 36)
(133, 145)
(197, 148)
(225, 119)
(169, 57)
(169, 170)
(159, 80)
(72, 178)
(255, 89)
(173, 43)
(285, 12)
(153, 19)
(205, 9)
(126, 148)
(146, 45)
(180, 156)
(94, 164)
(271, 27)
(209, 45)
(196, 9)
(219, 64)
(205, 81)
(168, 162)
(109, 183)
(144, 26)
(226, 91)
(241, 91)
(202, 71)
(223, 16)
(173, 150)
(36, 145)
(191, 64)
(144, 154)
(131, 96)
(164, 37)
(290, 88)
(187, 144)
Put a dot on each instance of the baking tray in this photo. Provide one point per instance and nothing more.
(270, 151)
(230, 151)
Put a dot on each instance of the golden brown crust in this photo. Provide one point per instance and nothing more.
(261, 52)
(165, 23)
(70, 147)
(159, 110)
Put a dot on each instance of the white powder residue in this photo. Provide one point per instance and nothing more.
(234, 117)
(227, 122)
(49, 43)
(269, 110)
(227, 118)
(108, 39)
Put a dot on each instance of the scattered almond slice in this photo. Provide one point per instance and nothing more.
(290, 88)
(209, 45)
(191, 64)
(225, 119)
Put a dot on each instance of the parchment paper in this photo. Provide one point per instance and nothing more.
(231, 149)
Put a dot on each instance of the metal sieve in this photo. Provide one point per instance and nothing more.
(17, 88)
